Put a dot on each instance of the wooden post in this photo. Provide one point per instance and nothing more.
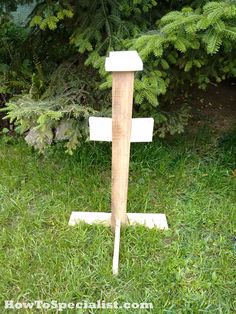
(122, 64)
(115, 263)
(122, 103)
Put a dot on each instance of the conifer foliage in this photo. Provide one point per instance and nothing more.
(181, 44)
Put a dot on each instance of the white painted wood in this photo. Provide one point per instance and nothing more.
(142, 129)
(148, 220)
(90, 218)
(101, 129)
(115, 264)
(122, 61)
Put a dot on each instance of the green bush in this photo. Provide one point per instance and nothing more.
(15, 64)
(189, 46)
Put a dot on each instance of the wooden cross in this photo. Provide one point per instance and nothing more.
(121, 130)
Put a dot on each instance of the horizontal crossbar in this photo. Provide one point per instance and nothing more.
(101, 129)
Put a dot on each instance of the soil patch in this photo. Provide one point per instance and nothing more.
(215, 107)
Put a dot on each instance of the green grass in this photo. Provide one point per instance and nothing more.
(187, 269)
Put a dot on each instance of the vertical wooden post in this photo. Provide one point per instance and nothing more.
(122, 103)
(115, 263)
(122, 64)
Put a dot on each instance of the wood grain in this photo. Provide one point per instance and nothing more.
(122, 103)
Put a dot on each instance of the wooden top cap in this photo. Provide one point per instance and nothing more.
(123, 61)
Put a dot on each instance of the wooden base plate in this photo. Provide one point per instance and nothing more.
(146, 219)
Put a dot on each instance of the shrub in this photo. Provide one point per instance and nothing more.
(191, 46)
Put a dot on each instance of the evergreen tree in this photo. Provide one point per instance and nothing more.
(180, 46)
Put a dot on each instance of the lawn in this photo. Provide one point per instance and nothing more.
(189, 268)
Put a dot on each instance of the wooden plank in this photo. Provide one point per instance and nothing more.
(101, 129)
(122, 103)
(115, 264)
(119, 61)
(90, 218)
(148, 220)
